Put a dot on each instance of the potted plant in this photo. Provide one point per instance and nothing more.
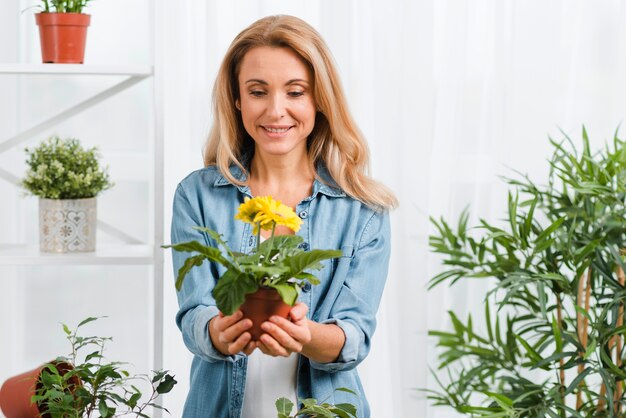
(311, 408)
(555, 345)
(63, 31)
(269, 279)
(67, 178)
(69, 388)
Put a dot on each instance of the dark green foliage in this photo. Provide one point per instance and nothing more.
(278, 263)
(94, 387)
(312, 409)
(548, 350)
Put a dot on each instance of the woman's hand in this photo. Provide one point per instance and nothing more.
(229, 334)
(282, 336)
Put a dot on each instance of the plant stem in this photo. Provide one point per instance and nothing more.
(559, 320)
(618, 349)
(582, 323)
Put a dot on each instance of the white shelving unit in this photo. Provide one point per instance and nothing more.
(131, 251)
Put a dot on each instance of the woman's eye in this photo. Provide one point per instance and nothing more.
(257, 93)
(296, 93)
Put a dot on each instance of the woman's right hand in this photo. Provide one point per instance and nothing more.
(229, 334)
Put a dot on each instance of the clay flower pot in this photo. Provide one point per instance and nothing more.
(63, 37)
(17, 391)
(260, 306)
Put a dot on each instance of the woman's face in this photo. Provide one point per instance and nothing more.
(276, 101)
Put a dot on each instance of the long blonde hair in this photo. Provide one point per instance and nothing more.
(335, 140)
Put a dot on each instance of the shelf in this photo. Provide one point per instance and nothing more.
(105, 255)
(76, 69)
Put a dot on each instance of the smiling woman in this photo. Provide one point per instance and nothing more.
(282, 129)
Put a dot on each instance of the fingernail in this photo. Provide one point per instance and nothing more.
(265, 326)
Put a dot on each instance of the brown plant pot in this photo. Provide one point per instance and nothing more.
(260, 306)
(63, 37)
(17, 391)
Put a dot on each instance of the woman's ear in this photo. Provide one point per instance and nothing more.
(237, 104)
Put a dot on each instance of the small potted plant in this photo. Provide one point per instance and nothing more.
(67, 388)
(66, 178)
(63, 31)
(311, 408)
(268, 281)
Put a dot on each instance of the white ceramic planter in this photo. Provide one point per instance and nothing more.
(67, 225)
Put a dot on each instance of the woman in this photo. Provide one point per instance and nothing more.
(282, 128)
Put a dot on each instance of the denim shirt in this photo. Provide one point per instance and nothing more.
(348, 295)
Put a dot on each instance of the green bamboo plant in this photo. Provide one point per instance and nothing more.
(551, 344)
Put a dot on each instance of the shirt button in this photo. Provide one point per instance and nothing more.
(304, 245)
(307, 287)
(303, 214)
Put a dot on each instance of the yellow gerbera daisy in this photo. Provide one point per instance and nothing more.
(264, 212)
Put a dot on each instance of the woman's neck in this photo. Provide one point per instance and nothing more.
(289, 180)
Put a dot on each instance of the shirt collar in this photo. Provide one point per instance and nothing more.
(323, 182)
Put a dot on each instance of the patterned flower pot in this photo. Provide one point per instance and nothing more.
(260, 306)
(63, 37)
(67, 225)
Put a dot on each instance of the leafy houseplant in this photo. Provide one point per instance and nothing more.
(92, 387)
(554, 347)
(313, 409)
(278, 263)
(63, 32)
(67, 178)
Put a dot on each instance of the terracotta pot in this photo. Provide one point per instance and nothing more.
(260, 306)
(17, 391)
(62, 37)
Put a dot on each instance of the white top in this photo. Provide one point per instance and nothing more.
(267, 379)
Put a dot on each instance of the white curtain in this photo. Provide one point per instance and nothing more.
(450, 94)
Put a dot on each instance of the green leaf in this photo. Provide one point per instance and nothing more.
(190, 262)
(287, 292)
(309, 260)
(284, 406)
(231, 289)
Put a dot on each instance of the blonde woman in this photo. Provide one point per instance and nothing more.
(282, 128)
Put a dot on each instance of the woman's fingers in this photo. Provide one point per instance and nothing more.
(230, 333)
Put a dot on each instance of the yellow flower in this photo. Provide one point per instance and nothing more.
(264, 212)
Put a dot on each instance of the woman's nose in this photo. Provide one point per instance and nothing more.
(277, 106)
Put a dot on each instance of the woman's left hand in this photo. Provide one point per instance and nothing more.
(282, 336)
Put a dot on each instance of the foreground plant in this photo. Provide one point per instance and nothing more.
(554, 345)
(102, 389)
(278, 263)
(312, 409)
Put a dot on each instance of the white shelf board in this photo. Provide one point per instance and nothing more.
(77, 69)
(125, 254)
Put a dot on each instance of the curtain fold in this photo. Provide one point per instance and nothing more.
(450, 95)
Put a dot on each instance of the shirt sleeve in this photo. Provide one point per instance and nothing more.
(196, 304)
(358, 295)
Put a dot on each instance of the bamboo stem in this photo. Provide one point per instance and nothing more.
(618, 347)
(582, 324)
(559, 319)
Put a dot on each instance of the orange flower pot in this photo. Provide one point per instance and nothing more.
(260, 306)
(63, 37)
(17, 391)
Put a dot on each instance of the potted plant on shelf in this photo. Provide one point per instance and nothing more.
(63, 31)
(267, 281)
(555, 345)
(66, 178)
(67, 388)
